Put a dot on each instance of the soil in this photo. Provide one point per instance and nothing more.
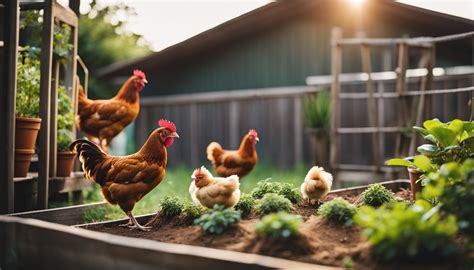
(319, 241)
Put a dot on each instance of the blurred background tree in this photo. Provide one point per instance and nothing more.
(103, 40)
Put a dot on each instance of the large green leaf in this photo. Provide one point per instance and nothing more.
(423, 132)
(428, 149)
(457, 126)
(423, 163)
(430, 124)
(398, 162)
(468, 126)
(431, 138)
(445, 136)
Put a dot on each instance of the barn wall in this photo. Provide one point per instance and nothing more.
(276, 114)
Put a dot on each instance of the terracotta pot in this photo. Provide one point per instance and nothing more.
(22, 161)
(415, 175)
(319, 141)
(65, 163)
(26, 131)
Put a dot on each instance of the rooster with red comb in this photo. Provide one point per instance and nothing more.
(102, 120)
(125, 180)
(239, 162)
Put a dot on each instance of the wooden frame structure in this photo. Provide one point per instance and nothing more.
(47, 140)
(375, 100)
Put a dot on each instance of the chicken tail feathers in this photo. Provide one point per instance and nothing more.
(214, 150)
(91, 157)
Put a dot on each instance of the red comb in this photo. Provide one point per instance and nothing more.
(167, 124)
(252, 132)
(197, 171)
(140, 74)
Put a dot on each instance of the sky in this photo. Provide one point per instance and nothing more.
(166, 22)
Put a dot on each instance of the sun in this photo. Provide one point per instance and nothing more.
(357, 3)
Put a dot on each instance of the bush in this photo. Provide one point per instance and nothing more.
(338, 210)
(171, 206)
(287, 190)
(453, 187)
(264, 187)
(316, 110)
(279, 225)
(272, 202)
(218, 219)
(400, 231)
(192, 211)
(376, 195)
(245, 204)
(290, 192)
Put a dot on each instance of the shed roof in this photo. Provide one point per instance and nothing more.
(270, 15)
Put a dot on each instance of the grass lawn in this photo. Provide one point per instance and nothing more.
(176, 183)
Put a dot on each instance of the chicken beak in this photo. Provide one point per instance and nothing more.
(174, 135)
(145, 81)
(257, 139)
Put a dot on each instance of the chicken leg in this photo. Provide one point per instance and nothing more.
(135, 224)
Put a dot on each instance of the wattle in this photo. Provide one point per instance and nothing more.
(169, 141)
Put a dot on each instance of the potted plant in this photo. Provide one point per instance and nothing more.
(452, 141)
(27, 122)
(65, 158)
(316, 111)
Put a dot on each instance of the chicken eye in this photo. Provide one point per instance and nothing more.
(200, 177)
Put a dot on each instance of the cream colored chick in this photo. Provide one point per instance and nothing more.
(208, 191)
(317, 184)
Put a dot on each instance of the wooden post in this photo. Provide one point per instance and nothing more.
(336, 59)
(45, 104)
(53, 131)
(8, 61)
(371, 103)
(401, 90)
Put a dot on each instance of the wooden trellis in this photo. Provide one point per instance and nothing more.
(408, 118)
(47, 140)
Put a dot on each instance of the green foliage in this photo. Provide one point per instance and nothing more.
(376, 195)
(171, 206)
(65, 119)
(279, 225)
(453, 187)
(28, 84)
(245, 204)
(62, 41)
(218, 220)
(401, 231)
(290, 192)
(287, 190)
(316, 110)
(192, 211)
(338, 210)
(273, 202)
(452, 141)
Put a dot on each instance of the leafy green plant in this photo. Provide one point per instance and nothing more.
(452, 141)
(453, 187)
(273, 202)
(376, 195)
(192, 211)
(279, 225)
(316, 110)
(338, 210)
(171, 206)
(290, 192)
(218, 220)
(28, 84)
(245, 204)
(400, 231)
(65, 119)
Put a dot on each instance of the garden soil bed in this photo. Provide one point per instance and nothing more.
(319, 242)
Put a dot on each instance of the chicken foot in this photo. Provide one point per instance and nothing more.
(135, 224)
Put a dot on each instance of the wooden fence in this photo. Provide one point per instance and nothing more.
(277, 115)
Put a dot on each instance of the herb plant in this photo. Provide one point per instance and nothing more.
(287, 190)
(65, 119)
(338, 210)
(245, 204)
(279, 225)
(171, 206)
(401, 231)
(28, 84)
(290, 192)
(218, 219)
(316, 110)
(191, 210)
(376, 195)
(272, 202)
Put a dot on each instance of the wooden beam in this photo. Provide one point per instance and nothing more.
(45, 104)
(401, 92)
(8, 62)
(336, 59)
